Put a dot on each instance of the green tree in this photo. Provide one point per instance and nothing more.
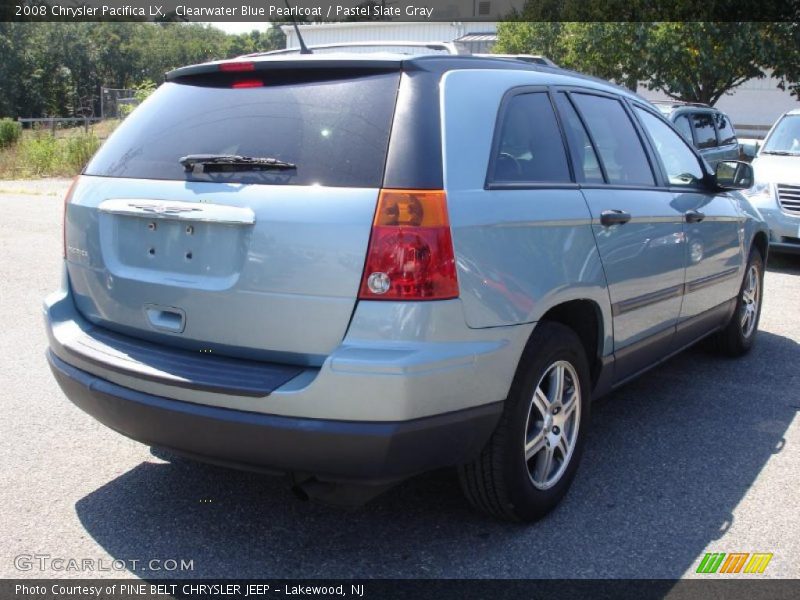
(701, 62)
(615, 51)
(525, 37)
(691, 61)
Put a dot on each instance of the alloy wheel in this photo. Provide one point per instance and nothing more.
(551, 430)
(750, 298)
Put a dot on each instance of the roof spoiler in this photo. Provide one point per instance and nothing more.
(245, 65)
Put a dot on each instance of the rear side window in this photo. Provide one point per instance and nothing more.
(529, 147)
(336, 131)
(725, 131)
(685, 129)
(584, 158)
(616, 140)
(704, 131)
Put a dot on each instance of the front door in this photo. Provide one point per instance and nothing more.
(713, 243)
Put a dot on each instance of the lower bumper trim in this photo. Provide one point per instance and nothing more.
(338, 451)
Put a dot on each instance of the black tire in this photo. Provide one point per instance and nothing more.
(499, 482)
(734, 339)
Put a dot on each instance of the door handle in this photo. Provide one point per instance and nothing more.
(614, 217)
(694, 216)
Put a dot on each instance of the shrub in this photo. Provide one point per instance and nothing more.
(38, 154)
(78, 149)
(45, 155)
(10, 131)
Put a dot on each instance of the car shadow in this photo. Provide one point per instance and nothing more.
(668, 459)
(784, 263)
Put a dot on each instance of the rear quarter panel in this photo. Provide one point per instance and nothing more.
(519, 252)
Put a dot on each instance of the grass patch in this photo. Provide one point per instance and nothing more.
(39, 153)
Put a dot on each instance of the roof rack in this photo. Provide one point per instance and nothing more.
(445, 47)
(529, 58)
(452, 48)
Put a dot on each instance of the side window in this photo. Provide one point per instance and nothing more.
(682, 125)
(682, 166)
(584, 159)
(724, 129)
(530, 147)
(704, 130)
(617, 143)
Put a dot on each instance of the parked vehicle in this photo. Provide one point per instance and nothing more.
(776, 193)
(352, 269)
(710, 130)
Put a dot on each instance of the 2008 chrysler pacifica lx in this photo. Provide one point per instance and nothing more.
(353, 268)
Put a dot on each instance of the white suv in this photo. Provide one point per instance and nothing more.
(776, 193)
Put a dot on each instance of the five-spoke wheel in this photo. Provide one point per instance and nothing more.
(552, 425)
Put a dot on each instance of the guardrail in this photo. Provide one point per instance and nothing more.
(758, 132)
(53, 121)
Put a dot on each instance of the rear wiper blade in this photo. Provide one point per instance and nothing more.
(234, 162)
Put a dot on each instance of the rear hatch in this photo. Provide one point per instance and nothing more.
(226, 259)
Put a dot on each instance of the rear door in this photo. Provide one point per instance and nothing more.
(263, 264)
(639, 233)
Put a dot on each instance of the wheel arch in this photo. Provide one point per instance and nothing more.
(761, 243)
(585, 318)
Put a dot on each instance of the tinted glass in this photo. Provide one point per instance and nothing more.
(617, 143)
(704, 130)
(682, 125)
(785, 137)
(530, 147)
(584, 159)
(336, 131)
(681, 164)
(725, 131)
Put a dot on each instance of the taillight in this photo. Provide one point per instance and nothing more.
(410, 254)
(67, 199)
(237, 67)
(247, 83)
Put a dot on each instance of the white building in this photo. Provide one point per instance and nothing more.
(754, 106)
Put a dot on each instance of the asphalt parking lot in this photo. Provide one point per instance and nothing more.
(700, 455)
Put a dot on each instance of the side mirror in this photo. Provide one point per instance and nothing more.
(748, 150)
(734, 175)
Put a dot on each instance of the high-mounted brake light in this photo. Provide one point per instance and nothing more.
(67, 199)
(247, 83)
(410, 254)
(237, 67)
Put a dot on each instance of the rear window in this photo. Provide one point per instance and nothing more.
(725, 130)
(530, 148)
(617, 143)
(335, 130)
(704, 130)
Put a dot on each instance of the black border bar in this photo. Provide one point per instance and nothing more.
(401, 10)
(708, 587)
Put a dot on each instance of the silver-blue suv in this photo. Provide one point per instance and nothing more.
(349, 269)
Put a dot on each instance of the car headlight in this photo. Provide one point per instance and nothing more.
(760, 193)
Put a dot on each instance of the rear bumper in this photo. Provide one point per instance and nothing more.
(330, 450)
